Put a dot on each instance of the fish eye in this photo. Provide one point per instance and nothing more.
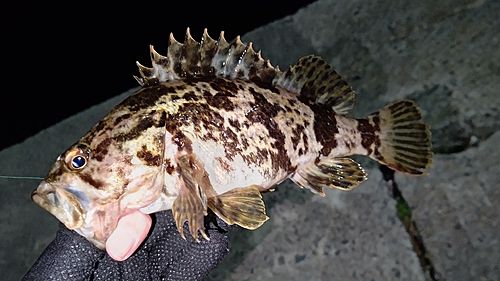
(78, 162)
(76, 159)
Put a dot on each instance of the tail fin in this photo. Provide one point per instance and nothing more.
(405, 142)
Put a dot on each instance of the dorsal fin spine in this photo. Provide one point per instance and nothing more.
(207, 58)
(312, 77)
(207, 51)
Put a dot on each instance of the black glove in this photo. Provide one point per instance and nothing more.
(164, 255)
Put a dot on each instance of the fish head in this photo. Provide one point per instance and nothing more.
(90, 193)
(69, 197)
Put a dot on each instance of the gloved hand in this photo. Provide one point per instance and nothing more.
(164, 255)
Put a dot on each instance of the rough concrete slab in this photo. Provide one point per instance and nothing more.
(352, 235)
(456, 209)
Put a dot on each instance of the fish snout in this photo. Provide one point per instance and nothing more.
(60, 203)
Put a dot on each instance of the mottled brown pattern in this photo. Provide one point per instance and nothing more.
(265, 115)
(376, 123)
(324, 128)
(101, 149)
(224, 164)
(264, 110)
(180, 87)
(266, 86)
(55, 174)
(137, 131)
(235, 124)
(183, 142)
(120, 118)
(87, 177)
(200, 101)
(198, 113)
(223, 85)
(146, 97)
(305, 142)
(99, 126)
(169, 168)
(117, 137)
(148, 157)
(231, 143)
(190, 96)
(297, 133)
(367, 134)
(219, 100)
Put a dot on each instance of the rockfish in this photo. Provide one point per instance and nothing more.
(212, 127)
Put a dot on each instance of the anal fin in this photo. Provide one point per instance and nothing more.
(242, 206)
(191, 203)
(340, 173)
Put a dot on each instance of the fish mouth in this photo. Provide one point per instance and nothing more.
(60, 203)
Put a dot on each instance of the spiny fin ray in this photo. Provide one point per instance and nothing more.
(191, 203)
(341, 173)
(207, 58)
(311, 76)
(316, 81)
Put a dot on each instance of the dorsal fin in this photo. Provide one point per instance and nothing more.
(316, 81)
(208, 58)
(311, 76)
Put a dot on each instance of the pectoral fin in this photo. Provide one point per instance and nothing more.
(341, 173)
(191, 204)
(242, 206)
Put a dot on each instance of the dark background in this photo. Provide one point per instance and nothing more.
(57, 60)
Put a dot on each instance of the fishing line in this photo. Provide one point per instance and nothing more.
(20, 177)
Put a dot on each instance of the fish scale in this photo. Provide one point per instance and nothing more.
(212, 127)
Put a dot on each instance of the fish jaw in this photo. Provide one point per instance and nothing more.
(78, 205)
(60, 203)
(76, 211)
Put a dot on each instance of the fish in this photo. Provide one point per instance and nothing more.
(213, 127)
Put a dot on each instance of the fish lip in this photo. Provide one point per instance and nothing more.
(60, 203)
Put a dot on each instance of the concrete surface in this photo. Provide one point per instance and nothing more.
(457, 211)
(443, 54)
(345, 236)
